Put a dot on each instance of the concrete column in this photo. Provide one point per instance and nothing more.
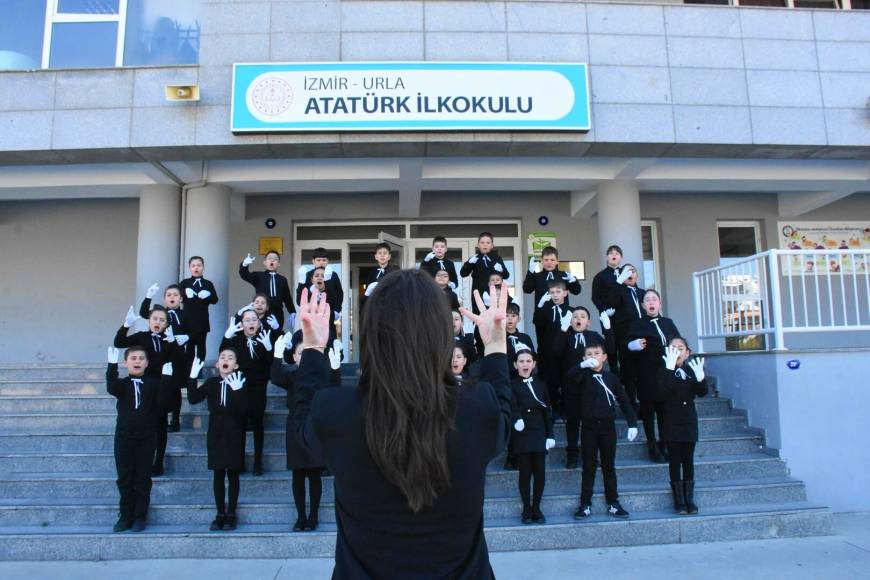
(619, 222)
(207, 234)
(159, 229)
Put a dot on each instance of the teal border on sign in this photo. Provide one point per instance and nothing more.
(241, 121)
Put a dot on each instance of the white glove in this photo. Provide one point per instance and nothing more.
(337, 346)
(169, 334)
(518, 346)
(589, 363)
(533, 265)
(485, 298)
(566, 320)
(544, 299)
(327, 273)
(636, 344)
(196, 367)
(232, 329)
(167, 369)
(181, 339)
(264, 339)
(569, 277)
(605, 320)
(519, 425)
(473, 259)
(236, 381)
(280, 346)
(670, 357)
(697, 366)
(152, 291)
(189, 292)
(113, 355)
(610, 311)
(337, 315)
(498, 268)
(244, 309)
(301, 273)
(451, 285)
(248, 260)
(550, 444)
(429, 257)
(292, 321)
(131, 318)
(334, 356)
(203, 294)
(272, 322)
(371, 288)
(624, 275)
(632, 433)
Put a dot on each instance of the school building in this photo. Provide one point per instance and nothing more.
(724, 145)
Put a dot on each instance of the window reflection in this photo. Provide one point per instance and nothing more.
(83, 44)
(161, 32)
(21, 31)
(87, 6)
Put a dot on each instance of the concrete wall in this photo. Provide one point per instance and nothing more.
(69, 274)
(813, 415)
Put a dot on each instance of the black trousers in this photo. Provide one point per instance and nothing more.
(133, 455)
(220, 490)
(315, 490)
(650, 412)
(681, 456)
(196, 346)
(532, 465)
(627, 371)
(162, 437)
(598, 439)
(255, 422)
(550, 369)
(572, 432)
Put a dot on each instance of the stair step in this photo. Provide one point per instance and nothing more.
(274, 540)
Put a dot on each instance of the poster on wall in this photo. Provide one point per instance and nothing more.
(828, 236)
(537, 241)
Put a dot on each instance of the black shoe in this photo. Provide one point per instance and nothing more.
(689, 489)
(310, 524)
(218, 523)
(124, 524)
(258, 468)
(527, 516)
(654, 454)
(538, 516)
(571, 463)
(138, 525)
(300, 524)
(616, 510)
(157, 469)
(679, 497)
(583, 512)
(230, 522)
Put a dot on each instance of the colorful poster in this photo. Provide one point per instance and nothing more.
(540, 240)
(830, 237)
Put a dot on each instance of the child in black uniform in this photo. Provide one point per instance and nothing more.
(252, 347)
(271, 284)
(260, 305)
(466, 341)
(532, 435)
(593, 394)
(458, 364)
(538, 282)
(647, 339)
(437, 260)
(626, 300)
(678, 383)
(303, 463)
(442, 278)
(138, 408)
(516, 340)
(227, 411)
(480, 267)
(604, 283)
(382, 259)
(332, 283)
(548, 324)
(199, 294)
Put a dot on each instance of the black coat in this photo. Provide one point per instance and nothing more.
(572, 345)
(378, 534)
(678, 390)
(537, 282)
(137, 415)
(586, 398)
(513, 339)
(262, 282)
(332, 287)
(481, 271)
(535, 412)
(627, 310)
(375, 275)
(255, 367)
(168, 351)
(226, 422)
(196, 309)
(548, 324)
(649, 360)
(433, 265)
(298, 457)
(603, 286)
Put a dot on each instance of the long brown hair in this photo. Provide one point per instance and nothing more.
(406, 346)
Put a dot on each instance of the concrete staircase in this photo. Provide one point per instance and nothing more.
(58, 499)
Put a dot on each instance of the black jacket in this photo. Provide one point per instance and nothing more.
(649, 360)
(622, 298)
(196, 309)
(572, 345)
(535, 412)
(372, 277)
(537, 282)
(481, 271)
(159, 351)
(298, 457)
(378, 535)
(255, 361)
(603, 285)
(548, 323)
(678, 390)
(138, 412)
(278, 297)
(433, 265)
(334, 291)
(227, 418)
(586, 398)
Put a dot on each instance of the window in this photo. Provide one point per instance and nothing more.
(83, 33)
(649, 239)
(22, 28)
(742, 300)
(161, 32)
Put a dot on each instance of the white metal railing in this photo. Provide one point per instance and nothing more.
(783, 291)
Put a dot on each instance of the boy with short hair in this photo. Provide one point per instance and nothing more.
(271, 283)
(442, 278)
(332, 283)
(604, 281)
(198, 294)
(383, 253)
(592, 394)
(548, 325)
(437, 260)
(516, 341)
(537, 282)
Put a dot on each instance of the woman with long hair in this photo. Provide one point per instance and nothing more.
(408, 448)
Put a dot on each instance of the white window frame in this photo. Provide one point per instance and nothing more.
(52, 16)
(739, 224)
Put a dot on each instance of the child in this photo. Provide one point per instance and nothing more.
(548, 324)
(437, 260)
(270, 283)
(537, 282)
(466, 341)
(495, 279)
(442, 278)
(532, 436)
(302, 462)
(678, 383)
(227, 408)
(199, 294)
(647, 339)
(382, 258)
(135, 432)
(319, 283)
(332, 283)
(604, 282)
(252, 347)
(516, 341)
(592, 394)
(458, 363)
(625, 300)
(260, 305)
(480, 266)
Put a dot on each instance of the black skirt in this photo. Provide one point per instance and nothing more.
(226, 442)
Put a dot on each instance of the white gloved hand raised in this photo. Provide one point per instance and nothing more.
(371, 288)
(670, 357)
(131, 318)
(624, 275)
(167, 369)
(169, 334)
(632, 433)
(451, 285)
(610, 311)
(473, 259)
(519, 425)
(533, 264)
(327, 273)
(181, 339)
(248, 260)
(566, 320)
(498, 268)
(637, 344)
(189, 293)
(245, 308)
(236, 381)
(549, 444)
(113, 355)
(280, 346)
(589, 363)
(291, 321)
(544, 299)
(272, 321)
(519, 345)
(301, 273)
(202, 294)
(569, 277)
(605, 320)
(232, 329)
(335, 355)
(265, 339)
(429, 257)
(196, 367)
(485, 298)
(152, 291)
(697, 366)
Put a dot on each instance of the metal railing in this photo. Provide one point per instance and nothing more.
(783, 291)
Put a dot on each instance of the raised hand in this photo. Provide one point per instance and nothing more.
(473, 259)
(202, 294)
(544, 299)
(189, 293)
(264, 339)
(491, 320)
(697, 366)
(632, 433)
(327, 273)
(371, 288)
(533, 265)
(569, 277)
(272, 321)
(280, 346)
(670, 357)
(566, 320)
(236, 381)
(610, 311)
(245, 308)
(196, 367)
(169, 334)
(113, 355)
(637, 344)
(131, 318)
(152, 291)
(248, 260)
(624, 275)
(429, 257)
(605, 319)
(519, 345)
(167, 369)
(316, 317)
(181, 339)
(232, 329)
(519, 425)
(498, 268)
(589, 363)
(335, 355)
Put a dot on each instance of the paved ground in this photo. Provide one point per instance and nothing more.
(846, 555)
